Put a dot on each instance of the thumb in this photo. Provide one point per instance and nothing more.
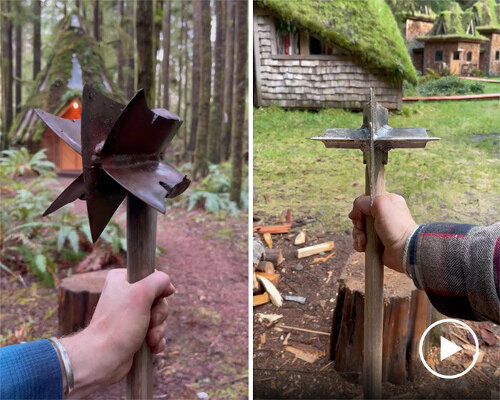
(157, 285)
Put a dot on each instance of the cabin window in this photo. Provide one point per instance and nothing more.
(456, 55)
(315, 46)
(287, 38)
(497, 55)
(438, 56)
(469, 56)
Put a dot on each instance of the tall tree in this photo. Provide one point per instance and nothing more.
(130, 78)
(200, 154)
(181, 59)
(97, 21)
(6, 61)
(144, 48)
(157, 28)
(195, 72)
(186, 80)
(120, 58)
(166, 54)
(217, 117)
(37, 37)
(19, 56)
(228, 84)
(239, 100)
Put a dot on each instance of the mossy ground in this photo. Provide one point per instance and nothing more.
(455, 179)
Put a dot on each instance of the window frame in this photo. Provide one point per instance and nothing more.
(497, 55)
(468, 56)
(441, 53)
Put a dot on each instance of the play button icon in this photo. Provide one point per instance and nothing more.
(447, 349)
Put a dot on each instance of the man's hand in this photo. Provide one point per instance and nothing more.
(126, 315)
(393, 223)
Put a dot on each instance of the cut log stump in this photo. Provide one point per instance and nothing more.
(78, 297)
(407, 313)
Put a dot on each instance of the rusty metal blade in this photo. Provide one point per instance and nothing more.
(140, 130)
(102, 203)
(150, 181)
(67, 129)
(75, 190)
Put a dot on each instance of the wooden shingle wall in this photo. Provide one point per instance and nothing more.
(314, 81)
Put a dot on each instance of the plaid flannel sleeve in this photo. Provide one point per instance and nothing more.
(458, 266)
(30, 371)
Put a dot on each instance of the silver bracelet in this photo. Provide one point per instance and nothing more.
(405, 253)
(63, 356)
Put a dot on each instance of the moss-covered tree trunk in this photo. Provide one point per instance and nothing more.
(130, 76)
(239, 100)
(200, 153)
(97, 21)
(19, 56)
(166, 54)
(228, 84)
(37, 37)
(217, 116)
(144, 48)
(6, 64)
(120, 59)
(181, 61)
(195, 71)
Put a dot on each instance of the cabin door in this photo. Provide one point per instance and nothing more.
(455, 63)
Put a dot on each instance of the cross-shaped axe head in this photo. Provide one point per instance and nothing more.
(375, 129)
(122, 148)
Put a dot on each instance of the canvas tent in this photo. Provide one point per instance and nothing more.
(75, 60)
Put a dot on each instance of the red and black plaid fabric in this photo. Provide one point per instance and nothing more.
(458, 266)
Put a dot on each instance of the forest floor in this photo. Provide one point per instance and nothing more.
(207, 335)
(454, 179)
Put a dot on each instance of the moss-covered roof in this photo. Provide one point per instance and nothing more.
(75, 61)
(453, 24)
(485, 11)
(365, 28)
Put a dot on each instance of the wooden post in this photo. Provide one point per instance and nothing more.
(374, 288)
(141, 248)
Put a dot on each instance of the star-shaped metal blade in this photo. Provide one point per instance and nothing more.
(122, 149)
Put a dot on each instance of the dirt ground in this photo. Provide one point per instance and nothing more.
(207, 338)
(278, 374)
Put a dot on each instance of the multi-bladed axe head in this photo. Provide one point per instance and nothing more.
(376, 131)
(122, 149)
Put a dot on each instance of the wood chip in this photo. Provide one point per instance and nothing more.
(263, 338)
(307, 353)
(272, 228)
(323, 259)
(294, 328)
(268, 239)
(285, 341)
(261, 299)
(300, 238)
(317, 248)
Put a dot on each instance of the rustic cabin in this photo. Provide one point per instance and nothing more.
(487, 19)
(75, 60)
(416, 25)
(453, 43)
(313, 54)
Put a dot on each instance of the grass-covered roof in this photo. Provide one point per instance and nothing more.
(485, 11)
(365, 28)
(75, 61)
(454, 24)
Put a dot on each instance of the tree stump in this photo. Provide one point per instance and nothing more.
(78, 297)
(407, 313)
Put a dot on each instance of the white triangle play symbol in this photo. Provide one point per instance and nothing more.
(448, 349)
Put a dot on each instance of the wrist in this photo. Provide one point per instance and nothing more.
(85, 351)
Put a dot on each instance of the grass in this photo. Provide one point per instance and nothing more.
(420, 90)
(455, 179)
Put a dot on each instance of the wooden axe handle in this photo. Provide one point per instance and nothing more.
(141, 252)
(374, 288)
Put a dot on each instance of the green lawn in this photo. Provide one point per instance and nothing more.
(455, 179)
(491, 87)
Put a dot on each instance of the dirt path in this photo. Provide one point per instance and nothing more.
(207, 338)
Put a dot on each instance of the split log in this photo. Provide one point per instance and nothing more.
(273, 278)
(273, 255)
(317, 248)
(265, 266)
(261, 299)
(407, 313)
(272, 228)
(268, 239)
(78, 297)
